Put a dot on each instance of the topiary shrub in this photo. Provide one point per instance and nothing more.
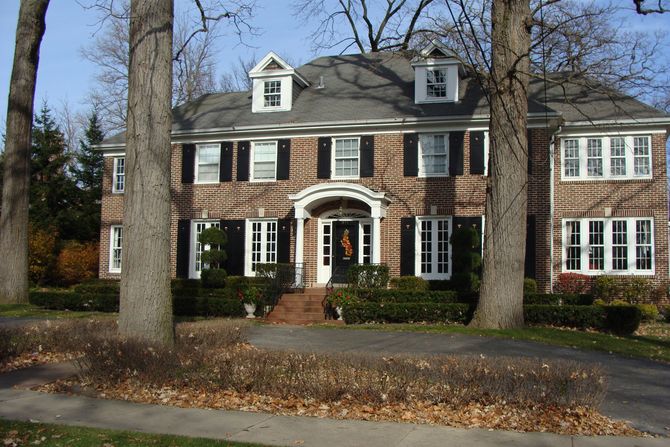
(529, 286)
(368, 276)
(409, 283)
(466, 258)
(573, 283)
(213, 278)
(213, 239)
(622, 320)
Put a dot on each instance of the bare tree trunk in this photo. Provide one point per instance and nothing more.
(501, 295)
(146, 306)
(14, 217)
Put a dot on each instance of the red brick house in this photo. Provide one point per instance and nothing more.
(391, 155)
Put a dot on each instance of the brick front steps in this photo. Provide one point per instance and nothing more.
(301, 308)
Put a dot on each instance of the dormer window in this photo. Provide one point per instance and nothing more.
(436, 83)
(274, 85)
(272, 94)
(436, 75)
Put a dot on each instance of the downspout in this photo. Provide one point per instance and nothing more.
(552, 147)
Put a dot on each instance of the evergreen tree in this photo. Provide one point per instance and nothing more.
(88, 175)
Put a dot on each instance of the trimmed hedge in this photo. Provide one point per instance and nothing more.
(75, 301)
(569, 299)
(207, 307)
(367, 312)
(581, 317)
(405, 296)
(98, 286)
(622, 320)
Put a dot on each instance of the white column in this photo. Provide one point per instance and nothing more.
(299, 249)
(376, 240)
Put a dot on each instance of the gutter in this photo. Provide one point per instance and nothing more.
(552, 148)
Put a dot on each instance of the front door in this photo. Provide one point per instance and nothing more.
(346, 249)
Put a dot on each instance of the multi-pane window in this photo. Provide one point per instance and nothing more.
(609, 157)
(346, 157)
(433, 247)
(264, 165)
(263, 249)
(642, 161)
(617, 156)
(198, 248)
(207, 163)
(327, 243)
(115, 248)
(434, 154)
(573, 259)
(367, 243)
(436, 83)
(119, 177)
(622, 245)
(272, 94)
(596, 245)
(571, 158)
(594, 161)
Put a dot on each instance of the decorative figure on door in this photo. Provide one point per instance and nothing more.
(346, 243)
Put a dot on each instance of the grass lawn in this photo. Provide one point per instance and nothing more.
(30, 311)
(14, 433)
(647, 346)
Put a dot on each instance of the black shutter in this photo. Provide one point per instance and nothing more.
(284, 241)
(411, 155)
(477, 153)
(226, 166)
(243, 150)
(183, 247)
(187, 163)
(283, 159)
(234, 229)
(456, 153)
(367, 155)
(323, 157)
(530, 152)
(407, 236)
(529, 264)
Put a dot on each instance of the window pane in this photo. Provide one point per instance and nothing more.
(117, 244)
(119, 174)
(434, 154)
(619, 245)
(346, 157)
(265, 157)
(618, 156)
(574, 250)
(436, 83)
(272, 93)
(594, 163)
(426, 246)
(596, 245)
(208, 162)
(571, 158)
(643, 257)
(642, 159)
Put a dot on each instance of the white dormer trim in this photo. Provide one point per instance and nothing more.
(424, 63)
(285, 75)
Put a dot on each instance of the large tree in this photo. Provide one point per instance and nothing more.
(146, 304)
(16, 179)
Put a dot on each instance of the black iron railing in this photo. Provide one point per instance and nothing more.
(280, 278)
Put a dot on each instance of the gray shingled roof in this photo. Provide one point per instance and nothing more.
(379, 86)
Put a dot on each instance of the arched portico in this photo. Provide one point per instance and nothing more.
(311, 200)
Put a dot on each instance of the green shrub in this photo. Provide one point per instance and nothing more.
(573, 283)
(213, 239)
(466, 259)
(368, 276)
(369, 312)
(440, 284)
(98, 286)
(636, 290)
(410, 283)
(75, 301)
(556, 299)
(649, 312)
(405, 296)
(213, 278)
(238, 282)
(581, 317)
(529, 286)
(629, 289)
(207, 307)
(622, 320)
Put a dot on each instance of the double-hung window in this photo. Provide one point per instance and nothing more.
(272, 94)
(433, 260)
(264, 161)
(119, 177)
(115, 248)
(434, 155)
(198, 227)
(261, 244)
(606, 158)
(436, 83)
(346, 157)
(617, 245)
(207, 163)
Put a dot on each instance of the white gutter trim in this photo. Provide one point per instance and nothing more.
(662, 120)
(552, 148)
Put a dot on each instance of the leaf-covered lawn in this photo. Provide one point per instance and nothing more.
(654, 347)
(14, 434)
(30, 311)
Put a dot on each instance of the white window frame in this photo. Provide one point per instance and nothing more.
(266, 82)
(334, 158)
(113, 246)
(422, 171)
(434, 251)
(198, 147)
(445, 84)
(193, 272)
(606, 157)
(631, 243)
(116, 175)
(248, 249)
(252, 161)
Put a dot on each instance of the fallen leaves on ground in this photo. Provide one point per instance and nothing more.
(27, 360)
(500, 416)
